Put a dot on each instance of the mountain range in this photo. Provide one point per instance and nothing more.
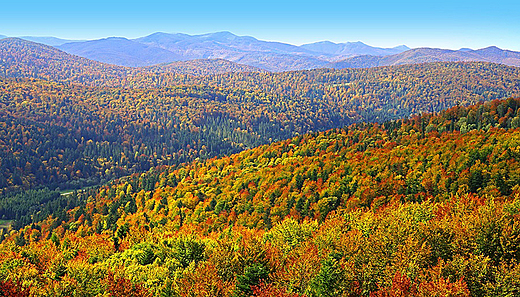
(49, 40)
(159, 48)
(428, 55)
(121, 51)
(163, 48)
(23, 58)
(350, 49)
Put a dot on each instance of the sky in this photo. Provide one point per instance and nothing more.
(420, 23)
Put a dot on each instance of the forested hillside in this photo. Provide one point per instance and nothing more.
(204, 67)
(412, 207)
(390, 181)
(429, 55)
(69, 136)
(25, 59)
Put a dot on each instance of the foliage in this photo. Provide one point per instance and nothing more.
(57, 134)
(423, 206)
(13, 289)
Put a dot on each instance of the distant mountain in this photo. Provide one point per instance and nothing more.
(351, 49)
(273, 56)
(203, 67)
(164, 47)
(212, 44)
(49, 40)
(427, 55)
(120, 51)
(497, 55)
(26, 59)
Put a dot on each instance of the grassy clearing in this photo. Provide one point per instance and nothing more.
(6, 224)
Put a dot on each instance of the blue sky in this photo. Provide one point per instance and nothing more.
(446, 24)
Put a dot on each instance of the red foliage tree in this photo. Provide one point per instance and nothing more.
(13, 289)
(123, 287)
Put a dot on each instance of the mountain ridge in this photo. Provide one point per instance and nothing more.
(162, 48)
(299, 210)
(49, 40)
(352, 48)
(425, 55)
(278, 56)
(26, 59)
(268, 55)
(120, 51)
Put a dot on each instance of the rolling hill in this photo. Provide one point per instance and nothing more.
(49, 40)
(26, 59)
(428, 55)
(164, 117)
(272, 56)
(350, 49)
(120, 51)
(202, 67)
(211, 178)
(22, 58)
(405, 208)
(70, 135)
(164, 48)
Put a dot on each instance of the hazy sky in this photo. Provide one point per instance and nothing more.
(446, 24)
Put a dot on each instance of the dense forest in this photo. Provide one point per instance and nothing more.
(70, 135)
(210, 178)
(415, 207)
(22, 58)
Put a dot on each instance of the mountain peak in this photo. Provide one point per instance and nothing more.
(428, 55)
(351, 49)
(490, 50)
(493, 47)
(224, 35)
(19, 40)
(325, 42)
(355, 42)
(401, 47)
(116, 39)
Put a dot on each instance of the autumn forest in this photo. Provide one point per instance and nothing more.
(213, 178)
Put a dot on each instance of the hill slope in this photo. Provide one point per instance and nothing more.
(49, 40)
(21, 58)
(203, 67)
(428, 55)
(272, 56)
(418, 206)
(164, 48)
(120, 51)
(350, 49)
(165, 118)
(111, 132)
